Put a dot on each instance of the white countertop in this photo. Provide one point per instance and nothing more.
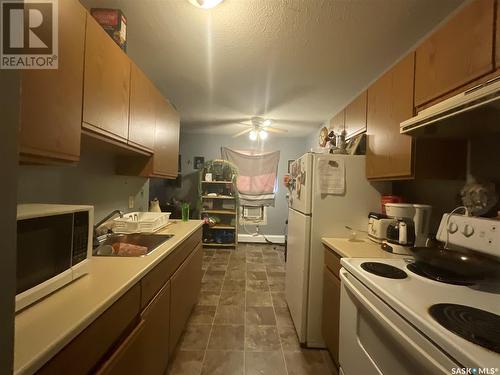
(46, 327)
(358, 248)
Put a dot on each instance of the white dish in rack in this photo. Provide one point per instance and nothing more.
(141, 222)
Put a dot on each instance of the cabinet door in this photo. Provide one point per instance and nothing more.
(331, 313)
(457, 53)
(497, 37)
(145, 350)
(106, 84)
(141, 130)
(390, 101)
(355, 116)
(185, 289)
(166, 149)
(51, 100)
(337, 122)
(83, 355)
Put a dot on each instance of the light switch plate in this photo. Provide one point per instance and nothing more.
(131, 201)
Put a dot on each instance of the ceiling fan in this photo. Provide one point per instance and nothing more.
(258, 127)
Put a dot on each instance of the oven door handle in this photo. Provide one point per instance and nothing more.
(393, 330)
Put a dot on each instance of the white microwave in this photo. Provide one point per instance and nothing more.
(54, 244)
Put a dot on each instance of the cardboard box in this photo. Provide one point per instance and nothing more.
(114, 22)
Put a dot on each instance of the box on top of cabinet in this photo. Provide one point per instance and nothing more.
(114, 22)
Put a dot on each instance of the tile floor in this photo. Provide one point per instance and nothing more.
(241, 324)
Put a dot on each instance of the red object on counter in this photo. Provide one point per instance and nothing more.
(389, 199)
(127, 249)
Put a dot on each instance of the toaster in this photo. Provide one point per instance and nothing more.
(377, 226)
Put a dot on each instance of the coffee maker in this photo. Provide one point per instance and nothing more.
(410, 228)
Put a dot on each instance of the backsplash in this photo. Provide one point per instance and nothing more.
(92, 181)
(444, 195)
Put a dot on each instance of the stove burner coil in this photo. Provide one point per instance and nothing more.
(477, 326)
(384, 270)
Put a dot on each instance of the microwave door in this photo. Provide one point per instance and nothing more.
(43, 250)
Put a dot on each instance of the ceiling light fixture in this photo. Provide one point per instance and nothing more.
(253, 135)
(267, 122)
(205, 4)
(263, 134)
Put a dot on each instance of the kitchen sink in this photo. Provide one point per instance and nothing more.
(149, 241)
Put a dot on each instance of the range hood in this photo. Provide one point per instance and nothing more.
(472, 113)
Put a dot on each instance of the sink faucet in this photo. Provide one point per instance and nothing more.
(101, 222)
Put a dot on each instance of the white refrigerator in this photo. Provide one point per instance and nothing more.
(315, 212)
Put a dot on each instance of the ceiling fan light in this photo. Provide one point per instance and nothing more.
(253, 135)
(205, 4)
(263, 135)
(267, 122)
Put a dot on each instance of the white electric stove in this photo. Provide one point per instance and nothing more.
(395, 321)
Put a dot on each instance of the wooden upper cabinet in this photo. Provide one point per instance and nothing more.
(51, 100)
(457, 53)
(337, 122)
(390, 101)
(166, 148)
(355, 115)
(142, 120)
(106, 84)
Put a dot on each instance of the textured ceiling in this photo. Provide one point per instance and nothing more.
(297, 61)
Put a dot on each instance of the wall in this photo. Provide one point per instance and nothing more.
(9, 111)
(92, 181)
(312, 140)
(209, 146)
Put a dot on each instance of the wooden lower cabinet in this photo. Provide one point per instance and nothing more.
(331, 312)
(186, 285)
(137, 334)
(144, 351)
(83, 354)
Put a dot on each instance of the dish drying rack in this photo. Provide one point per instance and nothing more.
(141, 222)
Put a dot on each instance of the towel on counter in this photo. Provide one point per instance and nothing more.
(257, 181)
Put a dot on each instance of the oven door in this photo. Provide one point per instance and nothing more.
(374, 339)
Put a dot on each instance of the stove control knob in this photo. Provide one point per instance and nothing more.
(468, 230)
(452, 227)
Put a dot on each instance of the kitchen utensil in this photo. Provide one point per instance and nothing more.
(400, 237)
(469, 264)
